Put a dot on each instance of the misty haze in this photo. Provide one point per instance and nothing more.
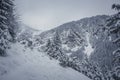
(59, 39)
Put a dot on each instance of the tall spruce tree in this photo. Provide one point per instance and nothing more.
(113, 25)
(7, 25)
(53, 47)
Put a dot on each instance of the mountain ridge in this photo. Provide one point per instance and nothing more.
(73, 42)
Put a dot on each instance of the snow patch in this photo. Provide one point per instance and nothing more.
(65, 47)
(88, 48)
(75, 48)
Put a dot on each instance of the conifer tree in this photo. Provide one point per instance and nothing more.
(113, 25)
(7, 25)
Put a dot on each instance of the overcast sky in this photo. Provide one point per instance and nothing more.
(47, 14)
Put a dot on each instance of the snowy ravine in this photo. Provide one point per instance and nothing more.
(88, 48)
(26, 64)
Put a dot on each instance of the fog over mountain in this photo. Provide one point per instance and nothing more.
(48, 14)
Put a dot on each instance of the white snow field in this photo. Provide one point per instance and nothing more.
(26, 64)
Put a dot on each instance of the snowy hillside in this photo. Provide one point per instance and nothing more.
(86, 49)
(76, 44)
(25, 32)
(73, 36)
(27, 64)
(80, 45)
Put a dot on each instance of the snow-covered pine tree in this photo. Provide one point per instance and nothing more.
(74, 38)
(53, 47)
(49, 47)
(113, 25)
(7, 24)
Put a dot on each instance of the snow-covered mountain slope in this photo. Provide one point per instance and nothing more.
(73, 35)
(25, 32)
(74, 40)
(26, 64)
(76, 43)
